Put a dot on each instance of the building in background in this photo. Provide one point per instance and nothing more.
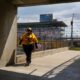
(49, 31)
(46, 17)
(54, 29)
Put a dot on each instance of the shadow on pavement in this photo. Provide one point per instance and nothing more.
(8, 75)
(71, 72)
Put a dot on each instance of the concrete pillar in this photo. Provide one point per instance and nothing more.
(8, 32)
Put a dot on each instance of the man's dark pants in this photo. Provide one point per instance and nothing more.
(28, 51)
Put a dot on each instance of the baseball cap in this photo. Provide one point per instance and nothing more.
(30, 29)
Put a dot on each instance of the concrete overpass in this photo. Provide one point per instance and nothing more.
(8, 25)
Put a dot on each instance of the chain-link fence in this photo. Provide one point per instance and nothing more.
(48, 37)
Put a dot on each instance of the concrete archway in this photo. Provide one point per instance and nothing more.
(8, 25)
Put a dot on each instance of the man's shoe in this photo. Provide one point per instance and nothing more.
(26, 64)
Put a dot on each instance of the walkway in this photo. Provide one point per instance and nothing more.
(58, 66)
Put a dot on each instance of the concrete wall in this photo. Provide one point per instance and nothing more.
(19, 59)
(8, 31)
(39, 2)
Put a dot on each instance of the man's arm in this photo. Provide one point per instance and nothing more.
(35, 41)
(36, 45)
(21, 38)
(20, 41)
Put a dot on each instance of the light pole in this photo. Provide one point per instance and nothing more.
(72, 31)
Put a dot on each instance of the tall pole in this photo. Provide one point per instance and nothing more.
(72, 30)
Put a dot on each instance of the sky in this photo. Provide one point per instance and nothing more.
(61, 12)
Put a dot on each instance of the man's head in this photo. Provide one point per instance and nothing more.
(29, 30)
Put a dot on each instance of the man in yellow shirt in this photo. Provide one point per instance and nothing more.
(28, 40)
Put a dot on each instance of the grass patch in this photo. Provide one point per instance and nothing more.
(75, 48)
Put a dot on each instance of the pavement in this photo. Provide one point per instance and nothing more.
(59, 66)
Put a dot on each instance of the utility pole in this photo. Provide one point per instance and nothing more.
(72, 30)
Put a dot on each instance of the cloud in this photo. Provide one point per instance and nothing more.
(68, 13)
(59, 11)
(28, 18)
(45, 8)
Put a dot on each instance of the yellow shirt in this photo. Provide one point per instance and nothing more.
(28, 39)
